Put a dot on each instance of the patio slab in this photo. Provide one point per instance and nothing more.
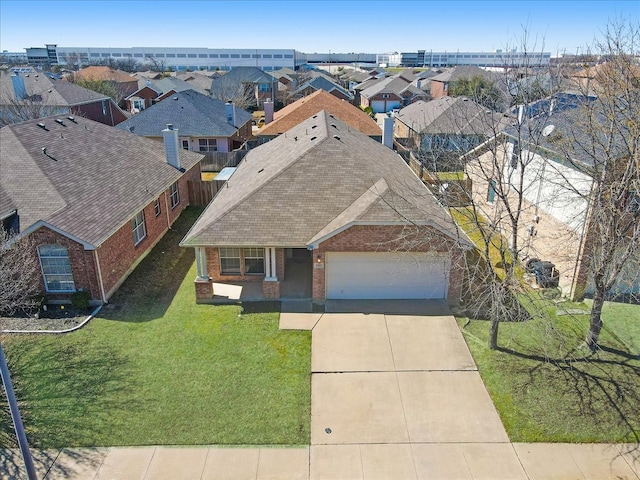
(131, 463)
(381, 462)
(298, 321)
(351, 343)
(449, 407)
(356, 408)
(428, 343)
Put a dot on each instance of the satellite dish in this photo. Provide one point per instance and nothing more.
(546, 131)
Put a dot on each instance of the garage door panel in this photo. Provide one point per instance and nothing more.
(386, 275)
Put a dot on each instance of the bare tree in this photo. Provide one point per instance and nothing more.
(157, 64)
(13, 110)
(243, 95)
(19, 273)
(604, 143)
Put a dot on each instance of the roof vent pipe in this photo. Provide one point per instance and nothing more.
(171, 148)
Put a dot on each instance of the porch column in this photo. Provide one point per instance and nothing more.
(270, 264)
(201, 263)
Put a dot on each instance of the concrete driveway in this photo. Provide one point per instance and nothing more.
(399, 396)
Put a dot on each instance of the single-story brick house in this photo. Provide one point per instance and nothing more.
(327, 197)
(93, 198)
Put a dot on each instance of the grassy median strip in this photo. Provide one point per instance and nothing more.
(157, 369)
(548, 389)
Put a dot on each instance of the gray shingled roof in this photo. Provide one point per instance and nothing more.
(245, 75)
(448, 115)
(91, 180)
(394, 85)
(305, 185)
(190, 112)
(165, 85)
(53, 92)
(322, 83)
(464, 71)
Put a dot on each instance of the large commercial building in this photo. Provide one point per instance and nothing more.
(174, 58)
(429, 58)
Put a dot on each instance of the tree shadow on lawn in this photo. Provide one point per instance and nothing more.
(604, 385)
(69, 395)
(147, 293)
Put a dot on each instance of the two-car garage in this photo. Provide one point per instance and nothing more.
(387, 275)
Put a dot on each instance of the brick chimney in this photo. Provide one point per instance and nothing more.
(230, 113)
(387, 131)
(268, 111)
(171, 147)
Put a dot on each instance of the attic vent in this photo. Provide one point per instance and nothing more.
(60, 122)
(43, 126)
(315, 116)
(314, 127)
(336, 137)
(175, 98)
(334, 125)
(331, 116)
(261, 170)
(72, 119)
(313, 138)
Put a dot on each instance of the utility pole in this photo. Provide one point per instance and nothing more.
(15, 416)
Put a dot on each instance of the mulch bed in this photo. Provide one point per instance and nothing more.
(56, 318)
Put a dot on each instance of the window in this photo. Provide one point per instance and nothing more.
(266, 55)
(235, 55)
(138, 228)
(491, 192)
(202, 55)
(116, 54)
(56, 268)
(175, 195)
(104, 107)
(207, 145)
(277, 55)
(386, 95)
(236, 261)
(213, 55)
(138, 55)
(171, 55)
(156, 207)
(191, 55)
(253, 261)
(229, 261)
(224, 55)
(246, 55)
(185, 144)
(182, 55)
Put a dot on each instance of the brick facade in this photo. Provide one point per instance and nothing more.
(117, 256)
(271, 290)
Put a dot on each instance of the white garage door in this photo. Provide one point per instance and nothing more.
(386, 275)
(378, 106)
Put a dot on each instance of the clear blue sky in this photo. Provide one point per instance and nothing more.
(311, 26)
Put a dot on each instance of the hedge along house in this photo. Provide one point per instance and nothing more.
(326, 206)
(93, 198)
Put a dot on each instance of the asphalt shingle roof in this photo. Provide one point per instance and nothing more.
(90, 180)
(321, 83)
(190, 112)
(308, 183)
(302, 109)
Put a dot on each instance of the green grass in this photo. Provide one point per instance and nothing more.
(450, 176)
(549, 389)
(156, 369)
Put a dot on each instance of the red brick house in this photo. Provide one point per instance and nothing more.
(325, 205)
(93, 198)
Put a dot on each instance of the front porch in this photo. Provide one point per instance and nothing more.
(293, 285)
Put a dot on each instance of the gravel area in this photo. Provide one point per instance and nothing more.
(54, 318)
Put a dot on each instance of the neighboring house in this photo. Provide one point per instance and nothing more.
(124, 83)
(152, 91)
(443, 129)
(253, 82)
(334, 211)
(204, 124)
(199, 81)
(391, 93)
(299, 111)
(322, 83)
(93, 199)
(27, 93)
(440, 83)
(555, 216)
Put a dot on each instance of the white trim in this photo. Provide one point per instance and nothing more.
(42, 223)
(104, 297)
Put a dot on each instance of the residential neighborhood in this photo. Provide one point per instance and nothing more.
(231, 258)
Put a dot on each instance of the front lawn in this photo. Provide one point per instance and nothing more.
(548, 389)
(156, 369)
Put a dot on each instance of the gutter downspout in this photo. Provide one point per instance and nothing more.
(104, 297)
(166, 208)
